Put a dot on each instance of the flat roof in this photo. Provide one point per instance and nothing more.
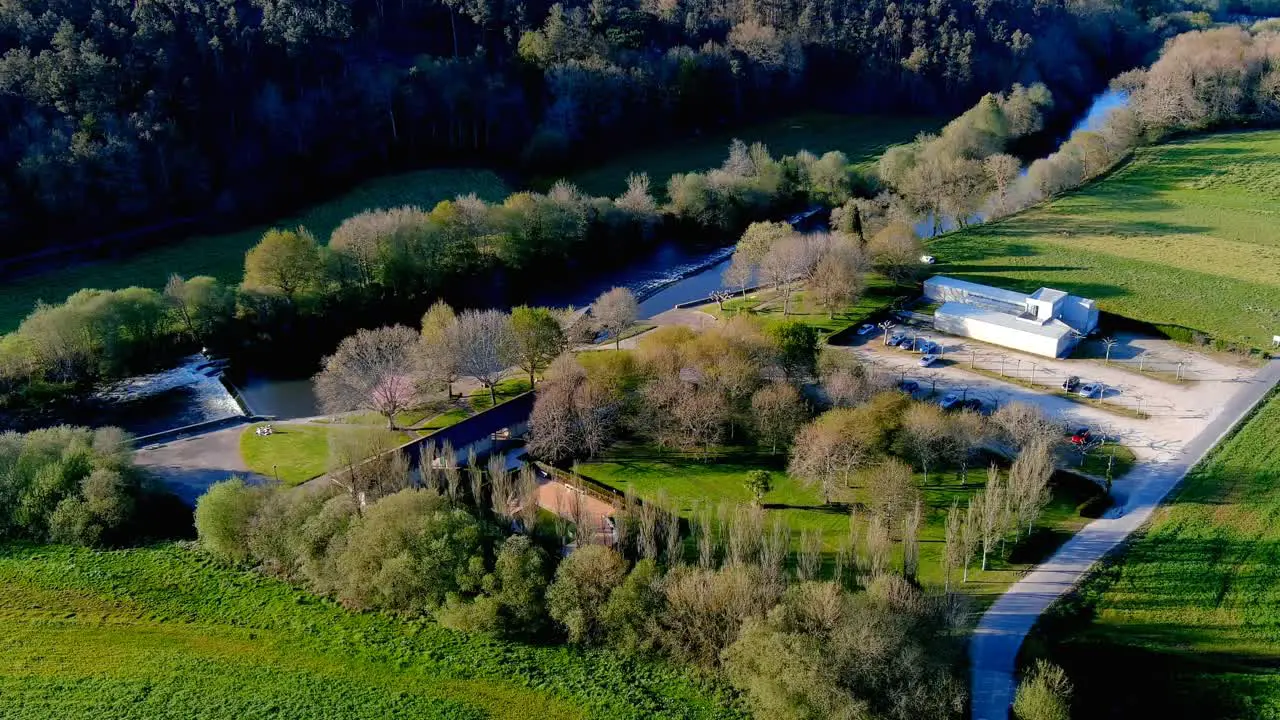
(1052, 329)
(1048, 294)
(983, 291)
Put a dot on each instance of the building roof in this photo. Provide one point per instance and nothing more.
(1009, 297)
(1048, 294)
(1052, 329)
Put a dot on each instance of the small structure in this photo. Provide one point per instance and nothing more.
(1047, 322)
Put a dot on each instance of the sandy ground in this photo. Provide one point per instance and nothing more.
(559, 498)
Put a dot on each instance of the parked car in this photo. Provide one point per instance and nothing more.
(973, 404)
(1089, 390)
(949, 401)
(1071, 384)
(867, 328)
(928, 259)
(910, 387)
(909, 344)
(896, 338)
(928, 360)
(1080, 436)
(928, 347)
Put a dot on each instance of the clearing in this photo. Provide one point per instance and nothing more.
(863, 138)
(161, 632)
(1189, 614)
(1186, 235)
(222, 256)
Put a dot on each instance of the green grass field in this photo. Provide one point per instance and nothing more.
(222, 256)
(160, 632)
(861, 138)
(688, 480)
(1186, 234)
(296, 452)
(1186, 622)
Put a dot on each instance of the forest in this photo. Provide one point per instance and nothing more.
(143, 117)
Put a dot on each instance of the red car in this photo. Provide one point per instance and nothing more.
(1081, 436)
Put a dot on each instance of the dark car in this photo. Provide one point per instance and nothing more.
(973, 404)
(1071, 383)
(910, 387)
(896, 338)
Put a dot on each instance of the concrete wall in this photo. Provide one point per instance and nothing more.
(1000, 335)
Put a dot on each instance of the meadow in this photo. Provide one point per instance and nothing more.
(862, 138)
(1187, 618)
(162, 632)
(222, 255)
(689, 481)
(1185, 235)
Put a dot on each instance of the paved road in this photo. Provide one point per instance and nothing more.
(994, 647)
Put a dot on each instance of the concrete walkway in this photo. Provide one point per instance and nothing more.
(993, 649)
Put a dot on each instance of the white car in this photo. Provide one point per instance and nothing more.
(928, 360)
(949, 401)
(928, 259)
(866, 329)
(1089, 390)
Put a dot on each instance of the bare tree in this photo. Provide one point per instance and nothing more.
(924, 426)
(891, 490)
(1022, 424)
(450, 473)
(366, 464)
(778, 411)
(485, 347)
(970, 536)
(878, 546)
(528, 492)
(790, 259)
(500, 488)
(810, 557)
(838, 279)
(1029, 482)
(475, 480)
(828, 450)
(953, 548)
(371, 370)
(965, 433)
(615, 311)
(992, 511)
(911, 541)
(738, 273)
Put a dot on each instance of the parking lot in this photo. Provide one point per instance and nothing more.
(1176, 411)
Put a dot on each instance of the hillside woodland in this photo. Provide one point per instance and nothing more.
(120, 114)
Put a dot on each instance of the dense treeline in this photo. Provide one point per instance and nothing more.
(118, 114)
(300, 295)
(78, 486)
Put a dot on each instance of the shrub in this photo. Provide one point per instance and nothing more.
(223, 516)
(1045, 694)
(408, 552)
(582, 586)
(631, 615)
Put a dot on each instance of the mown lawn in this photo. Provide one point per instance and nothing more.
(1186, 622)
(1186, 234)
(505, 390)
(296, 452)
(689, 481)
(222, 256)
(160, 632)
(863, 138)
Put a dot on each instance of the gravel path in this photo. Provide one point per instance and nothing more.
(994, 647)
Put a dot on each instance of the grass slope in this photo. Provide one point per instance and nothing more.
(687, 479)
(222, 256)
(162, 633)
(1186, 234)
(1186, 623)
(862, 138)
(297, 452)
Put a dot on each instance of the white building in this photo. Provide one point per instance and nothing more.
(1047, 322)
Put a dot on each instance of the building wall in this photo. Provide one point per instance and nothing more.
(1001, 335)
